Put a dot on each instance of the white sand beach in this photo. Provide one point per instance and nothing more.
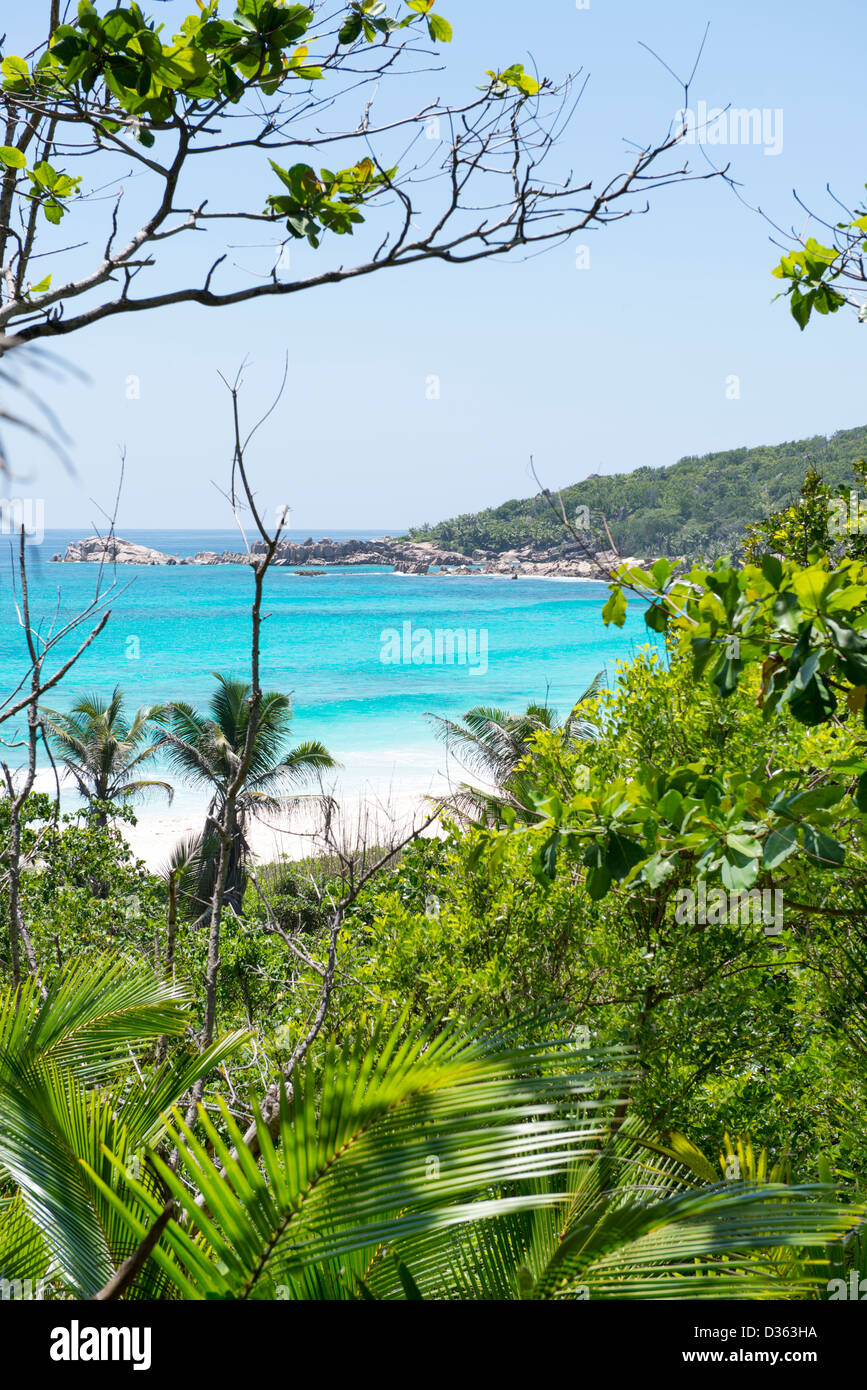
(374, 819)
(366, 808)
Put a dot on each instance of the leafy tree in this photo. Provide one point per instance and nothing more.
(821, 520)
(83, 890)
(106, 89)
(824, 279)
(697, 507)
(800, 630)
(750, 1020)
(103, 749)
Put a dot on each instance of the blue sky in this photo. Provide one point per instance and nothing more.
(603, 369)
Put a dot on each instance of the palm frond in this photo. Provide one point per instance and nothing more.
(496, 747)
(438, 1166)
(55, 1130)
(400, 1141)
(94, 1011)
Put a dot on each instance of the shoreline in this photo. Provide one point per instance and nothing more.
(409, 558)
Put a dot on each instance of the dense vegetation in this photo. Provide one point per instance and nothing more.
(605, 1037)
(698, 507)
(703, 1074)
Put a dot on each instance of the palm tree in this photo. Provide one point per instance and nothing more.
(446, 1167)
(493, 744)
(207, 749)
(102, 749)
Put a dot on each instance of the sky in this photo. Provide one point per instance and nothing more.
(638, 344)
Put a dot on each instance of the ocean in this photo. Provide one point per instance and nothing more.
(323, 642)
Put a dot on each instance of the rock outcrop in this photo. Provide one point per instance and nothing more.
(412, 567)
(111, 550)
(568, 560)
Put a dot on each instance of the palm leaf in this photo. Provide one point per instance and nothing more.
(353, 1165)
(439, 1166)
(94, 1012)
(54, 1131)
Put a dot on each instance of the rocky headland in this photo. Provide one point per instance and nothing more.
(404, 557)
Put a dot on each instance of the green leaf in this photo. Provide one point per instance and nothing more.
(408, 1284)
(861, 793)
(738, 871)
(622, 855)
(349, 1168)
(812, 704)
(728, 675)
(825, 852)
(88, 15)
(351, 29)
(598, 884)
(183, 66)
(43, 174)
(515, 76)
(802, 307)
(746, 845)
(615, 609)
(64, 185)
(702, 651)
(779, 845)
(12, 158)
(440, 29)
(852, 649)
(147, 43)
(656, 618)
(772, 569)
(670, 806)
(656, 871)
(61, 1099)
(545, 859)
(119, 26)
(15, 69)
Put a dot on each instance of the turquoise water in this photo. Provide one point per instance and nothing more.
(170, 628)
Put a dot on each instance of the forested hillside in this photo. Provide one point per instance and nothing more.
(698, 506)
